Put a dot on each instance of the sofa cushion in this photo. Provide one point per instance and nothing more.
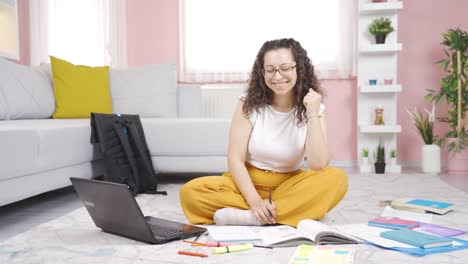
(80, 90)
(3, 110)
(36, 146)
(149, 91)
(26, 92)
(187, 136)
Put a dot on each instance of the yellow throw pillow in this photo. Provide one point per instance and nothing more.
(80, 90)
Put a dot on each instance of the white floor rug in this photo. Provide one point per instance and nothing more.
(73, 238)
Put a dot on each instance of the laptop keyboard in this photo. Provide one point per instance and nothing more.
(164, 231)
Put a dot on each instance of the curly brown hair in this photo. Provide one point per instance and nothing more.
(259, 95)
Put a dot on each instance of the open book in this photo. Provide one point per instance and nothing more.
(307, 232)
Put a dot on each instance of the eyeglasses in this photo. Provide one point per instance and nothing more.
(284, 70)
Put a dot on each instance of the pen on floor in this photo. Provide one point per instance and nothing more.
(196, 238)
(193, 254)
(259, 246)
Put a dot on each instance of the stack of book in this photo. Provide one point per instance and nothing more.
(424, 237)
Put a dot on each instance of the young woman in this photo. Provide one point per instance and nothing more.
(277, 125)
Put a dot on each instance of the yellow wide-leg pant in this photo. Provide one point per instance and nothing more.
(298, 195)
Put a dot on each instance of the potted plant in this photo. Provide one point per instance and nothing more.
(454, 89)
(365, 157)
(393, 156)
(430, 151)
(380, 28)
(379, 158)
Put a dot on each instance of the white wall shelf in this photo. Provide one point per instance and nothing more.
(381, 48)
(380, 88)
(377, 62)
(380, 128)
(380, 8)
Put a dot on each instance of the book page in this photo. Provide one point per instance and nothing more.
(236, 234)
(324, 234)
(390, 212)
(372, 234)
(283, 235)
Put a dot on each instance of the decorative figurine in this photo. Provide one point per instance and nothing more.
(379, 116)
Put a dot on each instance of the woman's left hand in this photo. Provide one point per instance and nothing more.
(312, 102)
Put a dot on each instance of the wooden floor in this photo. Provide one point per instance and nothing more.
(23, 215)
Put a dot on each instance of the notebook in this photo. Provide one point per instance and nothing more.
(417, 239)
(114, 209)
(233, 234)
(308, 254)
(438, 230)
(392, 222)
(421, 205)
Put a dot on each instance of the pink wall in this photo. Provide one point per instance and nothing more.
(421, 25)
(153, 37)
(341, 99)
(153, 31)
(23, 20)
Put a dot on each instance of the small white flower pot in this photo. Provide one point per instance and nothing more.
(393, 161)
(431, 158)
(365, 161)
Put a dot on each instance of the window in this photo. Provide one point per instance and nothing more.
(78, 31)
(220, 39)
(87, 32)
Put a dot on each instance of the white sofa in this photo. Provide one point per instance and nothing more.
(40, 154)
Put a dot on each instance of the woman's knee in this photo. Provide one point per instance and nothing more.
(339, 178)
(187, 192)
(339, 175)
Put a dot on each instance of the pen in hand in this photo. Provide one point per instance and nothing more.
(269, 199)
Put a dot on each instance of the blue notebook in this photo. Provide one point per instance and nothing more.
(433, 204)
(417, 239)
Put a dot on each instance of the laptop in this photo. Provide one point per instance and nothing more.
(114, 209)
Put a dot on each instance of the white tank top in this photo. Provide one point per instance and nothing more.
(277, 143)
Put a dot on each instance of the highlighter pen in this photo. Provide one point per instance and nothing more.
(233, 248)
(208, 243)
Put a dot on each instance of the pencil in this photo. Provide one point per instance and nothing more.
(269, 199)
(259, 246)
(194, 254)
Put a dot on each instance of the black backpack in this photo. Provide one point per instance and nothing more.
(121, 140)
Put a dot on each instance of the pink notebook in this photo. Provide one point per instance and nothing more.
(392, 222)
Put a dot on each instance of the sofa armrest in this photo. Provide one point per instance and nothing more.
(189, 100)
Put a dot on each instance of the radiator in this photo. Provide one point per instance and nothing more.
(220, 100)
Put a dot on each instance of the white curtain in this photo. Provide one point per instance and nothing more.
(220, 39)
(87, 32)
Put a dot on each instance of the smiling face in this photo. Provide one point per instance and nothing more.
(279, 71)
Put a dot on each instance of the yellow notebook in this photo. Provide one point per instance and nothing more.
(308, 254)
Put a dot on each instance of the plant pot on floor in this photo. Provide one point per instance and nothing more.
(457, 163)
(430, 158)
(380, 39)
(365, 161)
(379, 167)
